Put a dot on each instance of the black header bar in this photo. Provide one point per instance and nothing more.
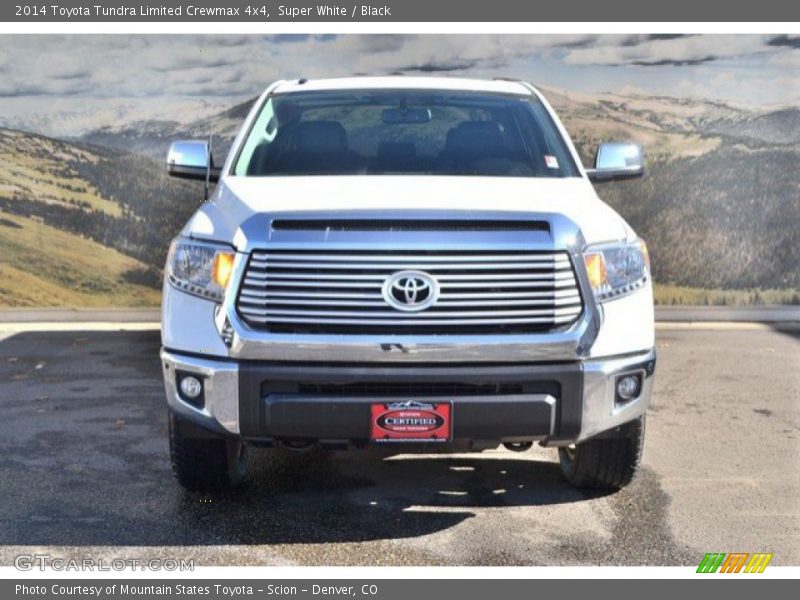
(395, 11)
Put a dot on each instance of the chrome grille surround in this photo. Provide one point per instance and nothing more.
(332, 292)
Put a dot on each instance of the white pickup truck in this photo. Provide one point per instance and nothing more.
(412, 262)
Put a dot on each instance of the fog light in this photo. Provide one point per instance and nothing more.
(628, 387)
(191, 387)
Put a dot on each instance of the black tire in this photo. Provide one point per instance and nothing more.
(607, 462)
(202, 460)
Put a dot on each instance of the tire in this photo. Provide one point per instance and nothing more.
(202, 460)
(609, 462)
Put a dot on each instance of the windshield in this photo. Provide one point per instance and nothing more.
(404, 132)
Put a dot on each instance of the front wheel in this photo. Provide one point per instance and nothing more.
(202, 460)
(608, 462)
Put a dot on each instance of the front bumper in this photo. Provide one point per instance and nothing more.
(555, 403)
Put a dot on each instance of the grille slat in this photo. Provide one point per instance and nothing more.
(400, 327)
(572, 300)
(544, 284)
(565, 273)
(409, 265)
(551, 296)
(314, 302)
(405, 316)
(502, 295)
(341, 292)
(294, 294)
(379, 303)
(266, 257)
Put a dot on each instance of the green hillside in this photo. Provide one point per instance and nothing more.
(727, 219)
(71, 234)
(719, 207)
(41, 265)
(37, 168)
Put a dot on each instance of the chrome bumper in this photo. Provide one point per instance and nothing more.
(600, 411)
(220, 412)
(223, 387)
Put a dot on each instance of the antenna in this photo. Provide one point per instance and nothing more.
(209, 163)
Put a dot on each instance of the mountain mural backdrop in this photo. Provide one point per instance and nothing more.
(85, 220)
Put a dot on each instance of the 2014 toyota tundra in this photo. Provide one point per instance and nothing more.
(410, 262)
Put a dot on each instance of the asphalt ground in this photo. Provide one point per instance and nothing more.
(85, 471)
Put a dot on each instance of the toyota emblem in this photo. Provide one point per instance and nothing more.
(410, 291)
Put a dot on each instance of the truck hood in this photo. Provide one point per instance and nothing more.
(237, 199)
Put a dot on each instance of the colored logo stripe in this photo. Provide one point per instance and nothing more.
(758, 562)
(734, 563)
(711, 562)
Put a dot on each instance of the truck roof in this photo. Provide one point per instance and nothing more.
(501, 86)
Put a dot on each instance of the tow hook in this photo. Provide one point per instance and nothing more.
(517, 446)
(298, 445)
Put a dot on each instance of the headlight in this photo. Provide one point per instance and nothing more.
(200, 268)
(617, 270)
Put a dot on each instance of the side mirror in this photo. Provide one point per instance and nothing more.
(617, 160)
(192, 160)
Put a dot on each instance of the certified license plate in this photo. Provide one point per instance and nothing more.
(411, 421)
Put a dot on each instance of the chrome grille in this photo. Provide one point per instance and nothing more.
(341, 292)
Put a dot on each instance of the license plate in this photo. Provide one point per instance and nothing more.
(411, 421)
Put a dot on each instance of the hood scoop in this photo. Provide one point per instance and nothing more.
(409, 225)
